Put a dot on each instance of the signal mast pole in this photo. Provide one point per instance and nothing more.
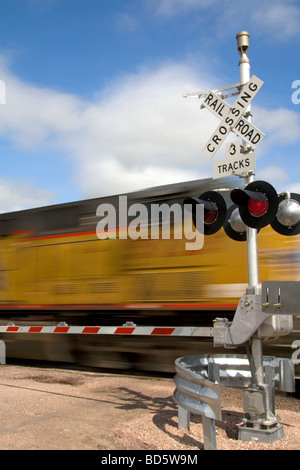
(244, 64)
(252, 250)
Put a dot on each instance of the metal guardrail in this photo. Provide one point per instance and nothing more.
(233, 370)
(199, 379)
(196, 392)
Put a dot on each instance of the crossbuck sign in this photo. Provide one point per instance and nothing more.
(232, 117)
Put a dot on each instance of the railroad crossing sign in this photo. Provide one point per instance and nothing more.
(235, 163)
(232, 117)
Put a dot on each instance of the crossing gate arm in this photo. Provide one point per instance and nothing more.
(128, 328)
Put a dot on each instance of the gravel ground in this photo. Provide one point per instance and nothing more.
(62, 409)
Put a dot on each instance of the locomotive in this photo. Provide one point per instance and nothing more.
(56, 268)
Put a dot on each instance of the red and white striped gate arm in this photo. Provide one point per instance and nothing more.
(127, 329)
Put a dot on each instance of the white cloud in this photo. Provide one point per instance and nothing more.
(275, 175)
(273, 19)
(111, 177)
(34, 115)
(294, 188)
(127, 23)
(281, 125)
(281, 21)
(142, 132)
(16, 195)
(168, 8)
(138, 132)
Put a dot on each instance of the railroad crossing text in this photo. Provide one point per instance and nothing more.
(232, 117)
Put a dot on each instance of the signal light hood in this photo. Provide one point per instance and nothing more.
(214, 202)
(258, 191)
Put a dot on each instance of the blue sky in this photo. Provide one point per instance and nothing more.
(94, 93)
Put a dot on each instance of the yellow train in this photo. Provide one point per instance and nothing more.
(55, 268)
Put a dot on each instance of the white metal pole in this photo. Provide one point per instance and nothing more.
(252, 250)
(244, 64)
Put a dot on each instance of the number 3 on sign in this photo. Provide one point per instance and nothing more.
(296, 354)
(233, 149)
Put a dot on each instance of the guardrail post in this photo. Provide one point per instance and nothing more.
(2, 353)
(198, 391)
(184, 417)
(209, 433)
(209, 424)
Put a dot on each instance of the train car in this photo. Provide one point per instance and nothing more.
(57, 267)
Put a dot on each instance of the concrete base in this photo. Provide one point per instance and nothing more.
(261, 435)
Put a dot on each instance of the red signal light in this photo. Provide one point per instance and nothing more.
(257, 208)
(210, 216)
(258, 203)
(215, 210)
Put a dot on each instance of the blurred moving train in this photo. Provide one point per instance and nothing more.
(54, 268)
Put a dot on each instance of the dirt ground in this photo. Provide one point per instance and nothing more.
(49, 409)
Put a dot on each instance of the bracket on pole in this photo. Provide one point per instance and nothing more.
(272, 298)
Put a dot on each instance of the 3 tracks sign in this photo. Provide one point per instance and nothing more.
(235, 163)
